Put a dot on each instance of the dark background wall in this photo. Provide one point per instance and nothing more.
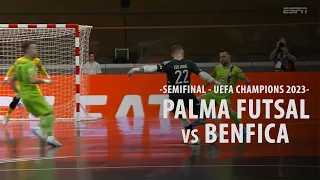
(244, 29)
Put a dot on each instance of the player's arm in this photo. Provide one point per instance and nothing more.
(291, 57)
(13, 84)
(163, 67)
(209, 79)
(9, 74)
(34, 80)
(241, 76)
(214, 75)
(31, 73)
(42, 70)
(146, 68)
(203, 75)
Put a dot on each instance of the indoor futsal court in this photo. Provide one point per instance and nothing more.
(151, 149)
(68, 68)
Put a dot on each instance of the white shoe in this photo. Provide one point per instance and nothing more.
(5, 120)
(53, 142)
(39, 133)
(20, 105)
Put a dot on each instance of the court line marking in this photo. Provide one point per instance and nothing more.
(312, 120)
(163, 166)
(13, 160)
(172, 127)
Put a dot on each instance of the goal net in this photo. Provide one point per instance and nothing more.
(62, 49)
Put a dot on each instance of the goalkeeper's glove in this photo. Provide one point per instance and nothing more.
(47, 81)
(49, 78)
(133, 70)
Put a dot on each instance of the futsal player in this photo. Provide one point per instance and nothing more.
(16, 99)
(226, 74)
(178, 72)
(25, 73)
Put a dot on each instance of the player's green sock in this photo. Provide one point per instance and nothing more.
(234, 117)
(46, 123)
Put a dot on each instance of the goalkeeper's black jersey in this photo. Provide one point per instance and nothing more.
(178, 71)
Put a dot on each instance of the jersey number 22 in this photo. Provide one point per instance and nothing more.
(182, 76)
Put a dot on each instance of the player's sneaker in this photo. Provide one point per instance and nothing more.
(20, 105)
(51, 152)
(39, 132)
(5, 120)
(53, 142)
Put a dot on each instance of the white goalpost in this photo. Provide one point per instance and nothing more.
(62, 49)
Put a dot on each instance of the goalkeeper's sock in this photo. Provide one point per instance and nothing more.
(185, 122)
(13, 105)
(46, 123)
(189, 127)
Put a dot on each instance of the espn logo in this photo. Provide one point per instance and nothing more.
(295, 10)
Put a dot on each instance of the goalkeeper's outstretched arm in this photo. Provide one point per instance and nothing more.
(43, 71)
(12, 68)
(8, 75)
(145, 68)
(34, 80)
(154, 68)
(202, 74)
(208, 78)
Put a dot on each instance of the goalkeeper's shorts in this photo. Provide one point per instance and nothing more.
(18, 87)
(36, 105)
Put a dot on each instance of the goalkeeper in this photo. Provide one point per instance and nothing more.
(16, 98)
(25, 74)
(227, 74)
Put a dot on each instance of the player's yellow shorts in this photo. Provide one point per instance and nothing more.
(36, 105)
(18, 87)
(217, 97)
